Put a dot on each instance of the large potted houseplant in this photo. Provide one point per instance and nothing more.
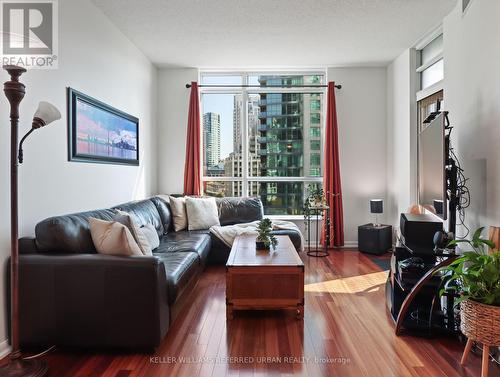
(265, 239)
(475, 276)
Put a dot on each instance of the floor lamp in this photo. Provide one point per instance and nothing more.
(46, 113)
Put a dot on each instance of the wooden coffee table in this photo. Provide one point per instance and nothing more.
(262, 280)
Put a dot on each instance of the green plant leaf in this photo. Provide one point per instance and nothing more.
(477, 234)
(488, 243)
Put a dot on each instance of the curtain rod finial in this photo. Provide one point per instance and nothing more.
(188, 86)
(338, 86)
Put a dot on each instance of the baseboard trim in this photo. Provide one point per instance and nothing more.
(347, 245)
(5, 348)
(350, 245)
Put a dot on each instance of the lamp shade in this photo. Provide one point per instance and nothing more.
(376, 206)
(47, 113)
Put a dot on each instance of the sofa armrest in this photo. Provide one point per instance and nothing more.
(92, 300)
(27, 245)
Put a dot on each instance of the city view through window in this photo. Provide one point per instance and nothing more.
(265, 140)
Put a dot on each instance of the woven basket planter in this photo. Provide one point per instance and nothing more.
(480, 322)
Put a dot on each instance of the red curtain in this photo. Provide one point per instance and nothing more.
(331, 176)
(192, 173)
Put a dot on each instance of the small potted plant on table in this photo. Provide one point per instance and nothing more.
(265, 240)
(475, 276)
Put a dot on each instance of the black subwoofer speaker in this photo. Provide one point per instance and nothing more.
(374, 239)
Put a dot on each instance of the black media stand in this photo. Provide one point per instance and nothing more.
(413, 297)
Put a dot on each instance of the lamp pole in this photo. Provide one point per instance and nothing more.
(14, 91)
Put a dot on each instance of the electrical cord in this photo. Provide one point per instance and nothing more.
(40, 354)
(462, 192)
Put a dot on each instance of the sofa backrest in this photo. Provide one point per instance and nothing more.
(144, 212)
(232, 210)
(70, 234)
(163, 207)
(239, 210)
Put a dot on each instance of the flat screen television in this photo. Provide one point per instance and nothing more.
(432, 167)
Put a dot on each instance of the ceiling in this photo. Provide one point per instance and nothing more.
(274, 33)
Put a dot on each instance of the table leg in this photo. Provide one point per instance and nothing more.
(465, 355)
(486, 360)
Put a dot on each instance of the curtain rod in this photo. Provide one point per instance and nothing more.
(264, 86)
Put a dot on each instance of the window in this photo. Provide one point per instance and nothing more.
(315, 145)
(263, 140)
(315, 132)
(431, 69)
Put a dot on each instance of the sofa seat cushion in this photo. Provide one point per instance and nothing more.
(180, 268)
(198, 242)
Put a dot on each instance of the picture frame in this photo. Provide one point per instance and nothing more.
(99, 133)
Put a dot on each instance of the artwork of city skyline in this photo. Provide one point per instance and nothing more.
(101, 133)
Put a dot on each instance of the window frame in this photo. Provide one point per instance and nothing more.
(246, 178)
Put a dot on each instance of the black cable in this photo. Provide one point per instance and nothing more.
(462, 192)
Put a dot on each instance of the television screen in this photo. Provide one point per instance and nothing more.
(431, 167)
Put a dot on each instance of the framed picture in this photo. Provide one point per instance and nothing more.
(100, 133)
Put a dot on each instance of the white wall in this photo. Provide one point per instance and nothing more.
(401, 136)
(95, 58)
(472, 95)
(361, 105)
(173, 104)
(361, 111)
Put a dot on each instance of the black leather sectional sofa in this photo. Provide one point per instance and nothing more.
(72, 296)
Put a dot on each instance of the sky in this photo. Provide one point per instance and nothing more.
(102, 124)
(221, 104)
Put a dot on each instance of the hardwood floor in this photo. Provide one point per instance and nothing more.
(346, 331)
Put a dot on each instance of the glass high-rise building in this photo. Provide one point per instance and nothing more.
(290, 143)
(233, 164)
(211, 139)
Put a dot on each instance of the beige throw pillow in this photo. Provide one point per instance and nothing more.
(202, 213)
(140, 238)
(151, 234)
(111, 237)
(179, 214)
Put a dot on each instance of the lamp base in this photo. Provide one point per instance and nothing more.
(25, 368)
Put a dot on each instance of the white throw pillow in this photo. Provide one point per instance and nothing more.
(202, 213)
(151, 234)
(179, 215)
(128, 220)
(114, 238)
